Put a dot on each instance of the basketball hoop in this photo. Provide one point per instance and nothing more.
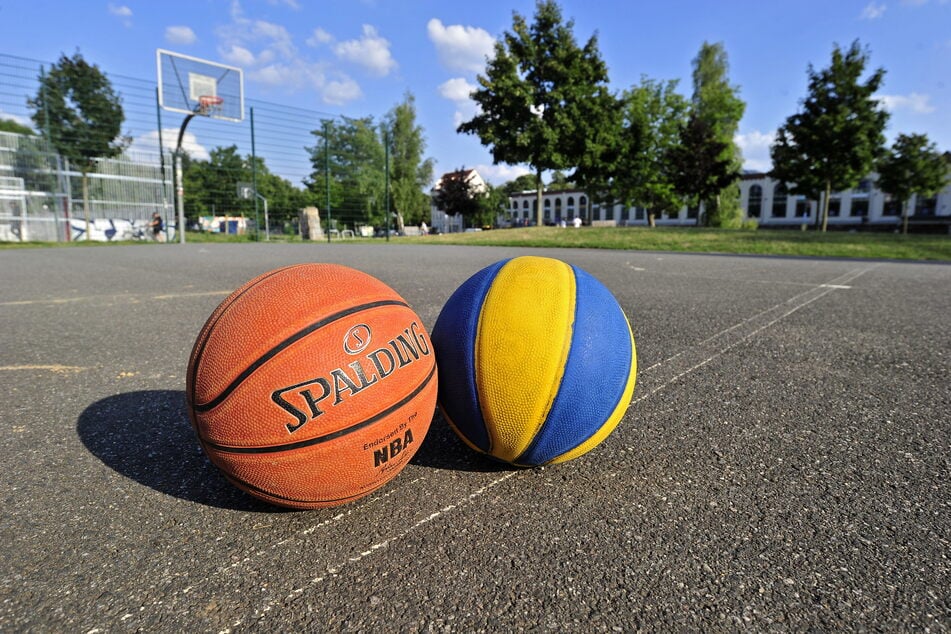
(208, 104)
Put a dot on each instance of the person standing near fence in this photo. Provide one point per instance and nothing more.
(158, 227)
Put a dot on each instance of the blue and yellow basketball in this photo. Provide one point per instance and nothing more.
(536, 361)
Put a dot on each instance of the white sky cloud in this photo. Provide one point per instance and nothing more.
(266, 52)
(290, 4)
(755, 148)
(456, 89)
(460, 47)
(319, 37)
(149, 143)
(19, 119)
(370, 51)
(916, 103)
(180, 35)
(238, 56)
(499, 174)
(339, 92)
(873, 11)
(122, 12)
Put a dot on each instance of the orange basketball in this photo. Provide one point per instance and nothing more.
(312, 385)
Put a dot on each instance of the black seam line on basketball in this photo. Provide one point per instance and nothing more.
(331, 436)
(201, 349)
(297, 336)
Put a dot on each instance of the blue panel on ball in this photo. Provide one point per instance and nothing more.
(596, 373)
(453, 339)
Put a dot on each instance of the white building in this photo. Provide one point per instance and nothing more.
(769, 202)
(763, 199)
(442, 221)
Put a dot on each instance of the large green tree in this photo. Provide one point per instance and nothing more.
(717, 104)
(543, 100)
(653, 115)
(702, 166)
(352, 151)
(410, 173)
(912, 165)
(80, 113)
(838, 135)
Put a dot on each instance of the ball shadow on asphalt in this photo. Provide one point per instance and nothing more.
(442, 449)
(146, 436)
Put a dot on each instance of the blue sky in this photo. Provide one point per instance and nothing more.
(359, 57)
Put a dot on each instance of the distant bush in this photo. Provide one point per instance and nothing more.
(750, 224)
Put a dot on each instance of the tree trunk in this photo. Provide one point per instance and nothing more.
(539, 188)
(650, 218)
(86, 203)
(825, 207)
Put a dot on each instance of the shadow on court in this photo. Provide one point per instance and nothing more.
(147, 437)
(442, 449)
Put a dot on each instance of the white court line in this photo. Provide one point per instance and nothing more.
(832, 284)
(328, 522)
(133, 298)
(52, 367)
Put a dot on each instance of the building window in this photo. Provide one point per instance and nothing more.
(625, 213)
(693, 212)
(558, 209)
(754, 206)
(571, 202)
(892, 206)
(779, 201)
(525, 206)
(835, 206)
(638, 213)
(582, 204)
(859, 208)
(864, 186)
(803, 207)
(925, 207)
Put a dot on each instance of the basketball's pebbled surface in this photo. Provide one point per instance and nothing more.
(537, 361)
(312, 385)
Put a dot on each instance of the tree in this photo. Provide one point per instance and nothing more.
(9, 125)
(410, 173)
(522, 183)
(717, 104)
(455, 194)
(82, 115)
(355, 155)
(912, 165)
(838, 135)
(653, 115)
(493, 202)
(211, 186)
(559, 182)
(702, 165)
(543, 100)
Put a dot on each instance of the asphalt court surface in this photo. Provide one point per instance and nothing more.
(784, 464)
